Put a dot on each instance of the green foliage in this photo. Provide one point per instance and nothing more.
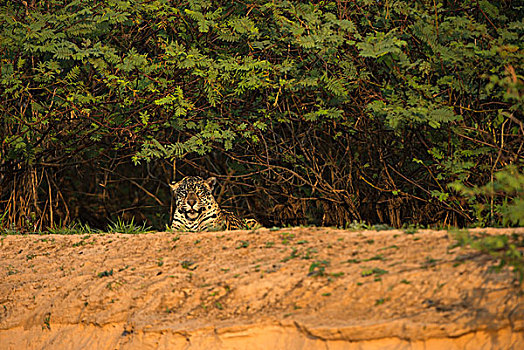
(61, 229)
(506, 250)
(374, 271)
(318, 268)
(106, 273)
(500, 200)
(85, 229)
(332, 113)
(121, 226)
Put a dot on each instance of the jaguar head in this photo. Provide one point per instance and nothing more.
(194, 195)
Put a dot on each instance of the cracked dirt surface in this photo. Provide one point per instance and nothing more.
(296, 288)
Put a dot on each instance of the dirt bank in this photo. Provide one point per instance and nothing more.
(300, 288)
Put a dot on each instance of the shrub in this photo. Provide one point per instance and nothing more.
(319, 113)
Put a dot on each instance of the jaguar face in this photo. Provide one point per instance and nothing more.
(193, 196)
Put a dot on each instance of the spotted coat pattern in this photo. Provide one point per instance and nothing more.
(197, 210)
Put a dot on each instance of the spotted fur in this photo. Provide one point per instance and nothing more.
(197, 210)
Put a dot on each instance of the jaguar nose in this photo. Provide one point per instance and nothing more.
(191, 199)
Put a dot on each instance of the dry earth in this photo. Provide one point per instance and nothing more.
(300, 288)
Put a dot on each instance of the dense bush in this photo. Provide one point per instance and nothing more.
(319, 113)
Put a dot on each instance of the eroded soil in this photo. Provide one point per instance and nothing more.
(299, 288)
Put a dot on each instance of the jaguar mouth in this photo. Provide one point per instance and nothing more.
(192, 214)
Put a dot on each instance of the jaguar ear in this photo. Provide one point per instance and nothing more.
(174, 185)
(211, 182)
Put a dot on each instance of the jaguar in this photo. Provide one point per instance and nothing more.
(197, 210)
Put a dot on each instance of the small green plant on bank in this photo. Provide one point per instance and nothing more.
(357, 226)
(242, 244)
(362, 226)
(188, 265)
(74, 228)
(503, 249)
(318, 268)
(410, 228)
(376, 257)
(47, 320)
(61, 229)
(374, 271)
(85, 228)
(430, 262)
(381, 301)
(309, 254)
(293, 255)
(120, 226)
(106, 273)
